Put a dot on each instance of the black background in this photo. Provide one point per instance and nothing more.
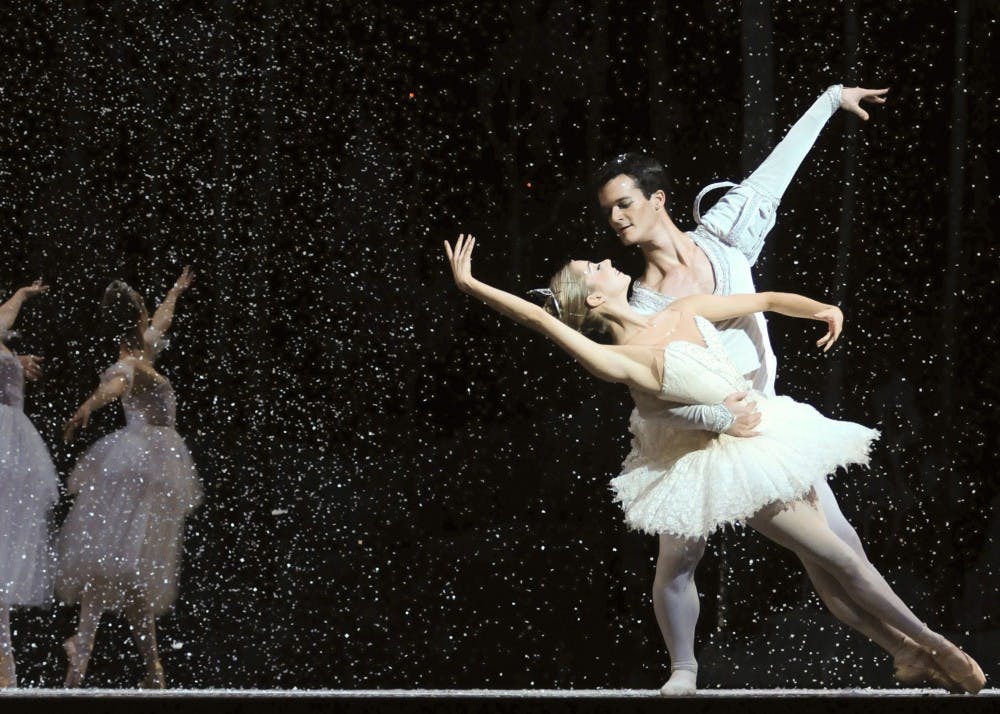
(404, 490)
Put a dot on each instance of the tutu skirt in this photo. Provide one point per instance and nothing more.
(29, 487)
(690, 483)
(123, 537)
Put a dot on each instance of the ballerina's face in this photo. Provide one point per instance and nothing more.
(630, 214)
(602, 278)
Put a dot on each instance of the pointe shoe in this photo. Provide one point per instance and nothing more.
(960, 668)
(682, 683)
(155, 680)
(75, 668)
(915, 667)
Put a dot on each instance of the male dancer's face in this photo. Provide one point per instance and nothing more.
(630, 214)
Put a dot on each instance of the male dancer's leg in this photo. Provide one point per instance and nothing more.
(675, 602)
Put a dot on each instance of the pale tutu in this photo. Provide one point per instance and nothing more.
(123, 538)
(29, 488)
(690, 483)
(124, 533)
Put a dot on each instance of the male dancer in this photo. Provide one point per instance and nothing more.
(716, 258)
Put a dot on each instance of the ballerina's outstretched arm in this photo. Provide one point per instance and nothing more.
(610, 363)
(164, 315)
(108, 391)
(31, 364)
(10, 309)
(717, 308)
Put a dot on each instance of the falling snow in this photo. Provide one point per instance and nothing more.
(403, 489)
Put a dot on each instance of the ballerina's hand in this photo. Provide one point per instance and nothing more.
(31, 366)
(851, 98)
(184, 281)
(461, 261)
(36, 288)
(834, 319)
(80, 419)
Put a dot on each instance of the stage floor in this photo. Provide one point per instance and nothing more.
(497, 701)
(484, 693)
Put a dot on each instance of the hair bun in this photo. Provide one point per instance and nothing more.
(120, 322)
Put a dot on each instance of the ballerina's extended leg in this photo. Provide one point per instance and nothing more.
(913, 665)
(801, 527)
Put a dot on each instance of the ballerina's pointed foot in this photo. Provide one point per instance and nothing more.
(154, 679)
(682, 683)
(960, 668)
(915, 667)
(75, 663)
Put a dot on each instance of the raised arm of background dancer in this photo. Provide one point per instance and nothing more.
(10, 309)
(164, 314)
(717, 308)
(606, 362)
(745, 215)
(107, 392)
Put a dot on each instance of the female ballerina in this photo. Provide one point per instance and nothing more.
(702, 480)
(120, 545)
(29, 488)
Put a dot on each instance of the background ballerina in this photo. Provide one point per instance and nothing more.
(120, 546)
(29, 487)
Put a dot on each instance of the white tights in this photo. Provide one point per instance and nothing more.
(834, 559)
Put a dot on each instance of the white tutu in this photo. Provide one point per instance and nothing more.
(28, 489)
(690, 483)
(123, 536)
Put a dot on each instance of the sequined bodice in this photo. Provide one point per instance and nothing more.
(693, 374)
(11, 381)
(149, 400)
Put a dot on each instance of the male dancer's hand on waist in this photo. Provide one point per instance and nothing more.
(746, 415)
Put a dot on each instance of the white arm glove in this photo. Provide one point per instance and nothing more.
(701, 417)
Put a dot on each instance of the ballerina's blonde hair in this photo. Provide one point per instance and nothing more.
(566, 298)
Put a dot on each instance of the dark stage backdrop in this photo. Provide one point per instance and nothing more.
(404, 490)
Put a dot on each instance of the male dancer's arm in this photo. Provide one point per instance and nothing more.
(745, 215)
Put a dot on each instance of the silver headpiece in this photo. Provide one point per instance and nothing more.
(547, 293)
